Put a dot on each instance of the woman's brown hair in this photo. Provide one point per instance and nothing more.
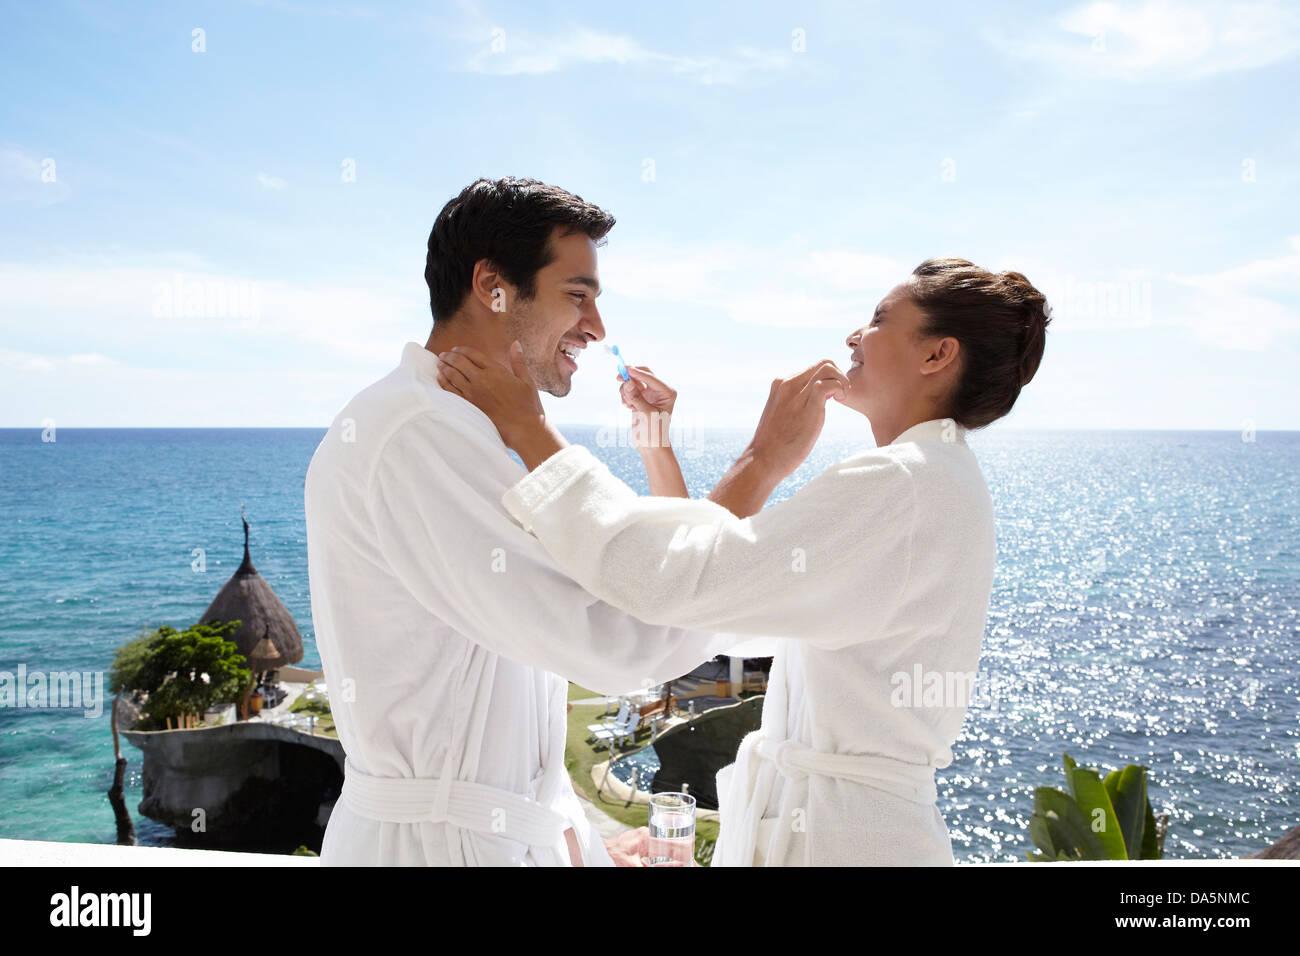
(1001, 322)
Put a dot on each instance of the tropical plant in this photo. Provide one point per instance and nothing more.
(1098, 819)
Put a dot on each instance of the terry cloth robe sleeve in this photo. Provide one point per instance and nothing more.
(462, 557)
(815, 566)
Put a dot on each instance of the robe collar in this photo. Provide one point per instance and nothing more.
(940, 429)
(425, 365)
(416, 356)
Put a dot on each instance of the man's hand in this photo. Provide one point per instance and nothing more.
(793, 418)
(791, 422)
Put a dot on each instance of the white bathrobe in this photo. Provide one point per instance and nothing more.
(878, 571)
(442, 627)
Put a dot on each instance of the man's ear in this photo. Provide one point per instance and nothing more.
(488, 287)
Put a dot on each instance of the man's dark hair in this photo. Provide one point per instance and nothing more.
(508, 222)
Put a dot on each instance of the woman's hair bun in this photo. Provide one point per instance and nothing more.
(1000, 320)
(1037, 316)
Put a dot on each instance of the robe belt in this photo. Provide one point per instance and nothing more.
(462, 803)
(796, 761)
(760, 758)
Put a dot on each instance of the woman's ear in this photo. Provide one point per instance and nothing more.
(942, 354)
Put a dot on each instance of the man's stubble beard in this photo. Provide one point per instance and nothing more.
(541, 369)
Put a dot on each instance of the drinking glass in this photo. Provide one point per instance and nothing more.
(672, 829)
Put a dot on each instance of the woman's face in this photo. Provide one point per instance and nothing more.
(885, 355)
(897, 377)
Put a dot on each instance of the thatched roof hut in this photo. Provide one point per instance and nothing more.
(246, 597)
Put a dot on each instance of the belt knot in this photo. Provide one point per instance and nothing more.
(784, 754)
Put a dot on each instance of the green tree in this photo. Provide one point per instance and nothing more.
(182, 672)
(128, 660)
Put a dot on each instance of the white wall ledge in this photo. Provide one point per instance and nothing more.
(43, 853)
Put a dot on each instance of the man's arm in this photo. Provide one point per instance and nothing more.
(824, 565)
(746, 486)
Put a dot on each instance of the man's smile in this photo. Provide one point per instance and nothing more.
(569, 351)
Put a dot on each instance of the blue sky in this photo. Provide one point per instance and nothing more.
(775, 169)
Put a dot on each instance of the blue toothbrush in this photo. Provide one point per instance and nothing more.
(622, 369)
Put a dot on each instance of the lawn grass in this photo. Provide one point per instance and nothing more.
(321, 708)
(580, 757)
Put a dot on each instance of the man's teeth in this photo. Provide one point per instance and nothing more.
(571, 351)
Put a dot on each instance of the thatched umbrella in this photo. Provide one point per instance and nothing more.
(265, 657)
(247, 598)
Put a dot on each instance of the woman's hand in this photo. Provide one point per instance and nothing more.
(651, 402)
(794, 416)
(629, 848)
(505, 395)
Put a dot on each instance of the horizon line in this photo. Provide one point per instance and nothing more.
(830, 431)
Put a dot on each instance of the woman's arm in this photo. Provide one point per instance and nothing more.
(651, 401)
(663, 472)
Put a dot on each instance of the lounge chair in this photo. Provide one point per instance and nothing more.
(620, 732)
(624, 706)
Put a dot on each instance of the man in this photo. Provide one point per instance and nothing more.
(441, 623)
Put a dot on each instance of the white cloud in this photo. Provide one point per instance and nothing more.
(32, 362)
(25, 177)
(1160, 38)
(25, 361)
(511, 52)
(848, 270)
(1244, 307)
(35, 389)
(792, 285)
(789, 285)
(270, 182)
(153, 309)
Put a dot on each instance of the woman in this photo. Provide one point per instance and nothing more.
(876, 573)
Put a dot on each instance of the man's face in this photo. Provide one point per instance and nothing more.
(562, 314)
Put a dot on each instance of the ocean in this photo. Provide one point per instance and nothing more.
(1146, 609)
